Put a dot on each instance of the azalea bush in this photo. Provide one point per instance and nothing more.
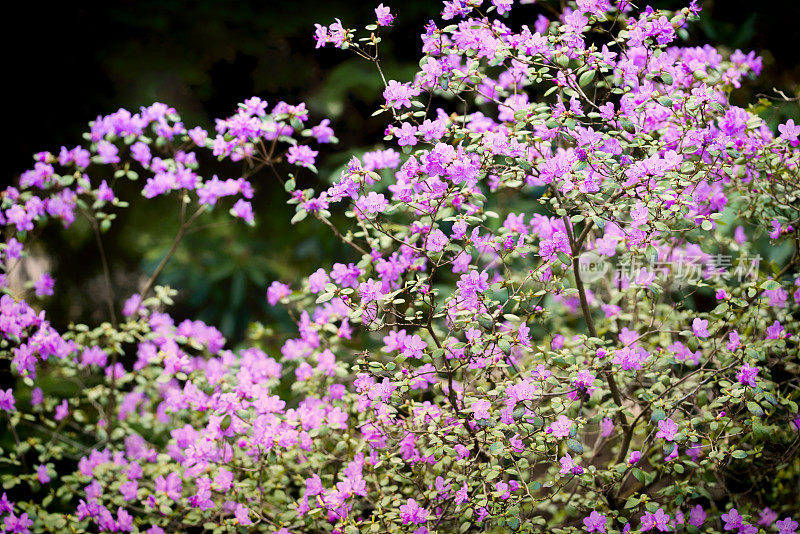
(572, 303)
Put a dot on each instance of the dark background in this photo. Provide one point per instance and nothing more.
(66, 63)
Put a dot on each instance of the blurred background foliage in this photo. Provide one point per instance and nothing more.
(73, 61)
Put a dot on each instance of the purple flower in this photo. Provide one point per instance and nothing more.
(171, 485)
(568, 466)
(372, 203)
(381, 159)
(107, 152)
(244, 210)
(406, 134)
(787, 526)
(370, 291)
(44, 285)
(41, 474)
(700, 327)
(318, 280)
(747, 375)
(436, 241)
(595, 522)
(385, 18)
(242, 514)
(697, 516)
(732, 519)
(13, 249)
(606, 427)
(7, 400)
(124, 520)
(789, 131)
(462, 495)
(560, 427)
(398, 95)
(20, 524)
(62, 410)
(667, 428)
(412, 513)
(277, 291)
(734, 342)
(322, 132)
(634, 457)
(775, 330)
(658, 520)
(320, 35)
(767, 516)
(480, 409)
(301, 155)
(129, 489)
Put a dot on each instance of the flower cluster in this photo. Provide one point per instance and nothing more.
(457, 373)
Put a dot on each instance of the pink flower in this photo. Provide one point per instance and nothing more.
(775, 330)
(128, 490)
(385, 18)
(7, 400)
(787, 526)
(480, 409)
(244, 210)
(276, 292)
(732, 520)
(171, 485)
(734, 343)
(659, 520)
(560, 427)
(789, 131)
(767, 516)
(242, 514)
(44, 285)
(667, 428)
(700, 327)
(412, 513)
(436, 241)
(595, 522)
(606, 427)
(301, 155)
(568, 466)
(41, 474)
(62, 410)
(697, 516)
(747, 375)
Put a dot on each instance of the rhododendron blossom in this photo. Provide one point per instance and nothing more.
(457, 366)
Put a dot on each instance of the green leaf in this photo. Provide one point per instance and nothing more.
(226, 423)
(755, 409)
(770, 285)
(575, 446)
(658, 415)
(627, 125)
(505, 346)
(299, 216)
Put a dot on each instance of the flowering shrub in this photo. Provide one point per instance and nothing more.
(555, 318)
